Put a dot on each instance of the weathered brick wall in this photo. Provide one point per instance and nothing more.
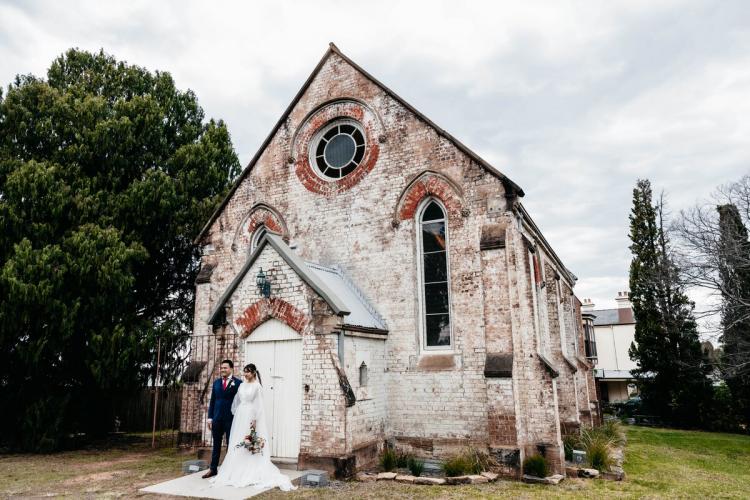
(568, 409)
(366, 420)
(367, 226)
(501, 413)
(537, 417)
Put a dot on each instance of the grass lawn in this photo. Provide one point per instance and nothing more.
(660, 463)
(118, 471)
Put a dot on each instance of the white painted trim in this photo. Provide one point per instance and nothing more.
(313, 146)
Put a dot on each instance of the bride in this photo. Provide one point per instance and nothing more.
(241, 467)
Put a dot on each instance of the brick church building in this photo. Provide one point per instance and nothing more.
(390, 287)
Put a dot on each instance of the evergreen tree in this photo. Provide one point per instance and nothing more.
(734, 271)
(671, 372)
(107, 172)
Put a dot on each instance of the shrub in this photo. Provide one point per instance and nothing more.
(415, 466)
(536, 465)
(599, 455)
(598, 445)
(402, 459)
(612, 430)
(570, 443)
(456, 466)
(388, 459)
(478, 460)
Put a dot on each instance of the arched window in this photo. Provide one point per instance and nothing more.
(257, 236)
(433, 247)
(363, 375)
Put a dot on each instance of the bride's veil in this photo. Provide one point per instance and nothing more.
(260, 421)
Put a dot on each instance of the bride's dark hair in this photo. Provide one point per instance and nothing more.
(252, 369)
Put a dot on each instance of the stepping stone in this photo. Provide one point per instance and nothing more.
(365, 477)
(491, 476)
(476, 479)
(386, 476)
(554, 479)
(588, 473)
(403, 478)
(458, 480)
(429, 480)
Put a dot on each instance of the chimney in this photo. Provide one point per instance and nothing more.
(587, 306)
(623, 300)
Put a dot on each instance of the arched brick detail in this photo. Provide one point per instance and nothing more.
(265, 309)
(261, 214)
(343, 108)
(429, 184)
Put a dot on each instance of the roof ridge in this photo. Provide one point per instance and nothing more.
(333, 49)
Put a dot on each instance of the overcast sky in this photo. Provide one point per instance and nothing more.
(571, 100)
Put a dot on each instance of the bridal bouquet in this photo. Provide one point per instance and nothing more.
(252, 442)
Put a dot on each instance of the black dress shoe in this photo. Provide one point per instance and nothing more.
(210, 473)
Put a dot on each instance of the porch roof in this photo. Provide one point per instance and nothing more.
(329, 282)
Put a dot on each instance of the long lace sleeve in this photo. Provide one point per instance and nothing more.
(236, 402)
(254, 401)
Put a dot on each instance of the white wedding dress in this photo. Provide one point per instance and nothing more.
(240, 467)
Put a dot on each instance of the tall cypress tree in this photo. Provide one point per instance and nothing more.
(734, 271)
(671, 373)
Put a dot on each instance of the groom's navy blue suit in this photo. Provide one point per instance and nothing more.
(220, 413)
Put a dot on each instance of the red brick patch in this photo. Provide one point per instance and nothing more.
(429, 184)
(265, 309)
(339, 109)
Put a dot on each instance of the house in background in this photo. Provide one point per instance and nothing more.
(614, 332)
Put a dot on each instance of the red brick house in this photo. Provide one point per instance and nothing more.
(391, 288)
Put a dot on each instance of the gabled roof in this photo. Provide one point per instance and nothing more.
(295, 262)
(328, 282)
(332, 49)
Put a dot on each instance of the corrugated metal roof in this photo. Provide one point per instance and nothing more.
(613, 374)
(361, 312)
(329, 282)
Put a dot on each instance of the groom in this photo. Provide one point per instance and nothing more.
(220, 411)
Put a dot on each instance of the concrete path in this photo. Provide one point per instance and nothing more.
(193, 485)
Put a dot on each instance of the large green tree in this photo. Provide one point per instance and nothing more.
(107, 172)
(671, 373)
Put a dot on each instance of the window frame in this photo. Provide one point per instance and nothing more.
(318, 136)
(421, 281)
(258, 234)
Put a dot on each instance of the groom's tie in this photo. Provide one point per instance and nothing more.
(224, 384)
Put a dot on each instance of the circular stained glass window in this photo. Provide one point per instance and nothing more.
(338, 149)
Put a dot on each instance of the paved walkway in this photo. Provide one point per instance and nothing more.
(193, 485)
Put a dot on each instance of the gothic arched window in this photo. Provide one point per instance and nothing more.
(433, 251)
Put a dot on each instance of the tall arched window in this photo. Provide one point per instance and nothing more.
(433, 245)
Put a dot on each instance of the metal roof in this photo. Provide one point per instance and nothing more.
(622, 316)
(361, 313)
(337, 290)
(613, 374)
(295, 262)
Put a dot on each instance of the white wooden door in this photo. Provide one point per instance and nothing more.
(276, 350)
